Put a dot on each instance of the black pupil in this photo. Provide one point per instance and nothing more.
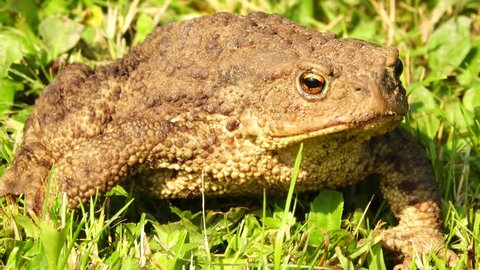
(312, 82)
(398, 68)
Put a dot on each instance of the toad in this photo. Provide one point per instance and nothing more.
(229, 99)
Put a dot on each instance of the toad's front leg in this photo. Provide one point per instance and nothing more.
(97, 164)
(408, 185)
(94, 164)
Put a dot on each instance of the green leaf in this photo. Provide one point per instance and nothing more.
(304, 12)
(176, 240)
(367, 30)
(375, 258)
(52, 242)
(476, 228)
(89, 35)
(424, 110)
(27, 10)
(456, 116)
(170, 235)
(7, 93)
(143, 26)
(344, 261)
(51, 7)
(469, 74)
(14, 46)
(326, 210)
(113, 260)
(471, 99)
(325, 215)
(129, 263)
(449, 45)
(118, 191)
(21, 116)
(60, 34)
(96, 16)
(28, 226)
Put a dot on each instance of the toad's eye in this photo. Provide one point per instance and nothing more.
(398, 68)
(312, 83)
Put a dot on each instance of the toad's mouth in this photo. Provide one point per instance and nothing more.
(377, 122)
(373, 126)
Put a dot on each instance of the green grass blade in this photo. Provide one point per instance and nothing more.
(283, 227)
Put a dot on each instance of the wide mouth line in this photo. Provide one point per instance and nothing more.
(342, 126)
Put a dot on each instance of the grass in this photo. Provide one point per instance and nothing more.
(440, 46)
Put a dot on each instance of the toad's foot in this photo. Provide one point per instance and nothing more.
(416, 242)
(408, 185)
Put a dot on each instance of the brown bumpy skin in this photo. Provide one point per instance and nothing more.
(230, 99)
(408, 185)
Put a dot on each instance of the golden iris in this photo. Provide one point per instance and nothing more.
(312, 83)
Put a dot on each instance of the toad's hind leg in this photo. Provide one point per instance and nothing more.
(99, 163)
(408, 185)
